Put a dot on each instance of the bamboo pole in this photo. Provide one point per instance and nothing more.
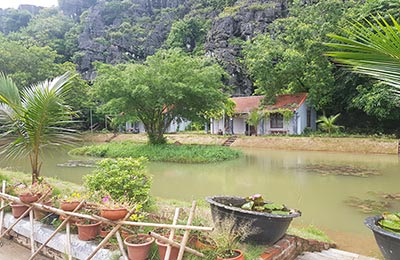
(112, 232)
(187, 232)
(172, 234)
(5, 206)
(32, 232)
(121, 245)
(3, 190)
(110, 222)
(31, 206)
(68, 238)
(65, 222)
(175, 244)
(128, 223)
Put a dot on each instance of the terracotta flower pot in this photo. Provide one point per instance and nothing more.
(71, 220)
(69, 206)
(138, 246)
(162, 249)
(88, 231)
(113, 214)
(28, 198)
(203, 245)
(18, 209)
(39, 214)
(239, 256)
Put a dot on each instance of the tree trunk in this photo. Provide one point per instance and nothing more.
(35, 165)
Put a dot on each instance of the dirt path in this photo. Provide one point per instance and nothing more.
(12, 251)
(350, 145)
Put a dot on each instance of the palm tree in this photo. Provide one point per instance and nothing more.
(327, 124)
(253, 119)
(34, 118)
(372, 49)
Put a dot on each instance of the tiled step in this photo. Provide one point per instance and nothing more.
(333, 254)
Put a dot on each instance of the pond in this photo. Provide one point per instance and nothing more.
(317, 183)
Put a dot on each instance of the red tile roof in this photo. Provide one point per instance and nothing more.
(246, 104)
(290, 101)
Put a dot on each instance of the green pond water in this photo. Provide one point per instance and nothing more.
(307, 181)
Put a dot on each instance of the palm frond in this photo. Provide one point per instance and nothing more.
(372, 49)
(42, 119)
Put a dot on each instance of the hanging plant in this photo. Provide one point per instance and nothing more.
(285, 112)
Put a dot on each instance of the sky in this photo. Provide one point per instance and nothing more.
(15, 3)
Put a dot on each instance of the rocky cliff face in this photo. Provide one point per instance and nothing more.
(241, 23)
(115, 31)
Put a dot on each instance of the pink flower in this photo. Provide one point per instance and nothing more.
(256, 196)
(106, 198)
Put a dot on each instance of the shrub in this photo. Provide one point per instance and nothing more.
(121, 178)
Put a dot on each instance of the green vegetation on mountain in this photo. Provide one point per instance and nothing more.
(265, 48)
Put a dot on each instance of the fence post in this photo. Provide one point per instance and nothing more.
(3, 190)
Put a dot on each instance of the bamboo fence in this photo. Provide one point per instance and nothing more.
(117, 226)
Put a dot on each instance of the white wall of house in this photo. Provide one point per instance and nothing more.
(301, 123)
(174, 127)
(177, 125)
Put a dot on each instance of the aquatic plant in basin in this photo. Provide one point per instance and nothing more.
(269, 221)
(386, 229)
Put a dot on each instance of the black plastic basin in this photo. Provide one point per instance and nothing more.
(266, 228)
(388, 242)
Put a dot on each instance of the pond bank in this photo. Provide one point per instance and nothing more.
(343, 144)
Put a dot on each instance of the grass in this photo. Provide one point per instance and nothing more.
(309, 232)
(161, 153)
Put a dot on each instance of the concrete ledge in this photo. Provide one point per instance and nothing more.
(57, 246)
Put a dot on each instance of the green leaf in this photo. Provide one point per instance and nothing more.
(274, 206)
(248, 205)
(390, 224)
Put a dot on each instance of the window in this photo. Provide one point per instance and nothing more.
(308, 117)
(276, 120)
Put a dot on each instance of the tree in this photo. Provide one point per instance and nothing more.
(371, 49)
(27, 65)
(48, 28)
(327, 124)
(290, 58)
(167, 86)
(34, 118)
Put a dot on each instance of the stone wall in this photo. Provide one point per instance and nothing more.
(289, 247)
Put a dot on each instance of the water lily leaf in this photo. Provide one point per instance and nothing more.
(391, 216)
(248, 205)
(274, 206)
(390, 224)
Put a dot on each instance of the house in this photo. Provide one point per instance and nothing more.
(175, 126)
(290, 114)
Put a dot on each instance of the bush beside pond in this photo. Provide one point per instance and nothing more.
(162, 153)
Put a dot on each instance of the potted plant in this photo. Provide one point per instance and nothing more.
(386, 229)
(31, 193)
(138, 246)
(227, 237)
(162, 248)
(269, 220)
(71, 201)
(113, 210)
(88, 229)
